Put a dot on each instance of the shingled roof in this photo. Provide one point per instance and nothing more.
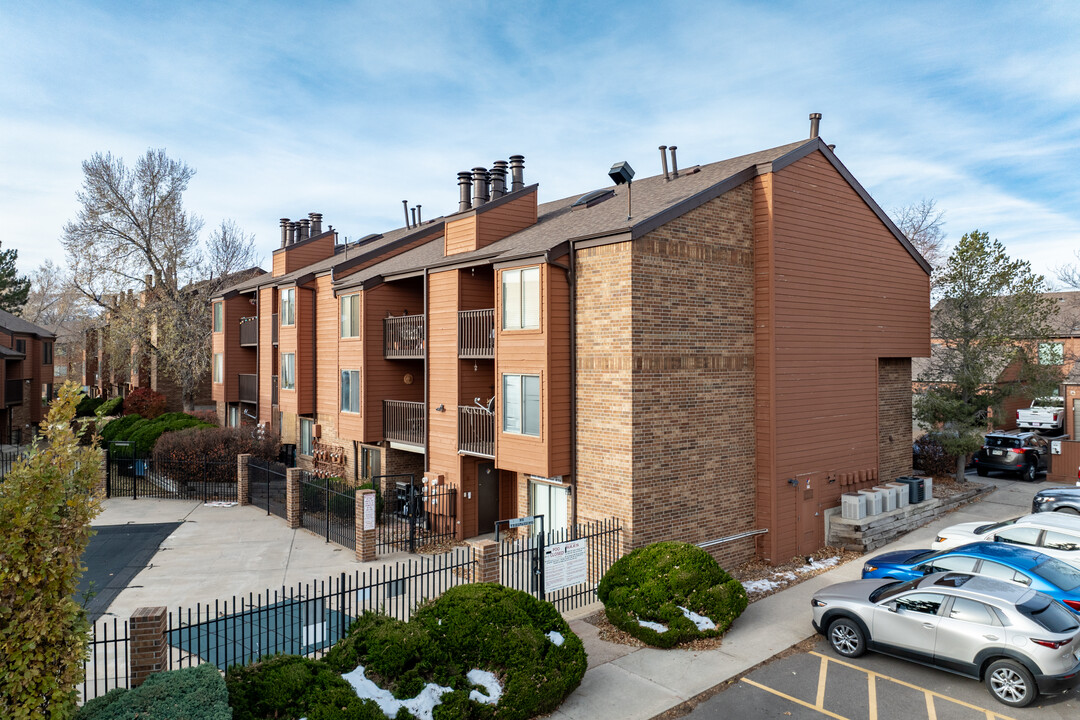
(13, 324)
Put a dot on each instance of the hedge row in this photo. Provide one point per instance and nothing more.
(195, 693)
(144, 433)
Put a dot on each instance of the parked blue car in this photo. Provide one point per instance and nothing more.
(1004, 561)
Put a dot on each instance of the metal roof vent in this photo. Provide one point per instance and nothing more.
(593, 198)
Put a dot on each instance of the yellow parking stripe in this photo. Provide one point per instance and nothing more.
(796, 700)
(931, 711)
(821, 682)
(872, 694)
(989, 714)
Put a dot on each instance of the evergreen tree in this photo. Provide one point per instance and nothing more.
(13, 289)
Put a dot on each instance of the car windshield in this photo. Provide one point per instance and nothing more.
(886, 592)
(1050, 614)
(983, 529)
(994, 441)
(1058, 573)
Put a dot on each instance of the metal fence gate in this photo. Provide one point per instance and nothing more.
(132, 476)
(412, 515)
(266, 485)
(328, 508)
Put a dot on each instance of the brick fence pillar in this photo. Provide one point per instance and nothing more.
(243, 481)
(102, 483)
(292, 497)
(365, 525)
(149, 648)
(487, 560)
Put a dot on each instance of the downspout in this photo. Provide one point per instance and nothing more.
(571, 280)
(258, 354)
(427, 380)
(314, 354)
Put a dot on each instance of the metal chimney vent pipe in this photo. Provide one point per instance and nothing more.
(464, 181)
(305, 227)
(405, 206)
(480, 186)
(498, 179)
(517, 172)
(815, 123)
(316, 223)
(294, 230)
(663, 161)
(419, 217)
(414, 217)
(284, 232)
(674, 162)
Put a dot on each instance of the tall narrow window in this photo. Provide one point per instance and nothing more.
(521, 299)
(521, 404)
(350, 391)
(288, 306)
(288, 371)
(219, 316)
(307, 436)
(350, 316)
(219, 367)
(551, 502)
(370, 462)
(46, 353)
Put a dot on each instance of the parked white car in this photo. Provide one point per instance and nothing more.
(1052, 534)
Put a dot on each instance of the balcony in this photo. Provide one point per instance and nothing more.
(13, 391)
(249, 389)
(249, 332)
(403, 422)
(476, 431)
(476, 333)
(403, 337)
(273, 390)
(273, 330)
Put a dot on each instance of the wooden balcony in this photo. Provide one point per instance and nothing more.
(476, 431)
(273, 390)
(273, 329)
(403, 337)
(249, 332)
(404, 422)
(249, 388)
(476, 333)
(13, 391)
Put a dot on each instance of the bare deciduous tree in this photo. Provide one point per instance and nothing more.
(923, 224)
(134, 250)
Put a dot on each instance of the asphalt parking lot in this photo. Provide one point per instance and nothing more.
(820, 684)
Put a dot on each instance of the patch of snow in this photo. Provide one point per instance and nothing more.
(556, 637)
(818, 565)
(489, 682)
(421, 706)
(760, 586)
(702, 622)
(653, 625)
(220, 503)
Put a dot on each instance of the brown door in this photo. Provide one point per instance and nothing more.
(487, 494)
(811, 523)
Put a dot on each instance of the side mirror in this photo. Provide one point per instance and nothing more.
(891, 607)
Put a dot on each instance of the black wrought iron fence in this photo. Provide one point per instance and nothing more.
(135, 477)
(106, 665)
(412, 515)
(266, 485)
(7, 461)
(328, 508)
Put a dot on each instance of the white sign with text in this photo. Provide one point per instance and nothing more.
(565, 564)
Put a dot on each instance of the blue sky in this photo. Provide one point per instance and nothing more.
(349, 108)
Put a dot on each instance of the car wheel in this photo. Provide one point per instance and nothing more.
(1029, 472)
(846, 638)
(1068, 510)
(983, 472)
(1011, 683)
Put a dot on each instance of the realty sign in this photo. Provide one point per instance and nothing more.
(565, 564)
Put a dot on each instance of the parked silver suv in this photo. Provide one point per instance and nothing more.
(1018, 641)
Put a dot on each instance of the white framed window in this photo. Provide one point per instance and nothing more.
(307, 436)
(288, 371)
(288, 306)
(350, 391)
(219, 317)
(234, 416)
(521, 299)
(521, 404)
(350, 315)
(550, 501)
(1051, 353)
(219, 367)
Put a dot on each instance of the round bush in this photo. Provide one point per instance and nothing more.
(114, 428)
(653, 583)
(112, 406)
(293, 686)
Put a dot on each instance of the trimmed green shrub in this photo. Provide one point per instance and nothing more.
(114, 428)
(194, 693)
(651, 583)
(293, 686)
(88, 406)
(112, 406)
(145, 437)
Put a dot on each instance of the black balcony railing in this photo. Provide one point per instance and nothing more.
(249, 388)
(403, 337)
(476, 333)
(273, 390)
(273, 329)
(403, 421)
(13, 391)
(476, 431)
(249, 332)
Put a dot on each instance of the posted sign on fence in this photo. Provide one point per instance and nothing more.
(565, 564)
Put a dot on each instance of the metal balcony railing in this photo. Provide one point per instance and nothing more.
(273, 329)
(249, 388)
(13, 391)
(404, 421)
(249, 332)
(476, 333)
(273, 390)
(403, 337)
(476, 431)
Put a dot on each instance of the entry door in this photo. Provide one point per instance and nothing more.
(811, 524)
(487, 492)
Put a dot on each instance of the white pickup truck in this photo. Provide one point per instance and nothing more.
(1045, 413)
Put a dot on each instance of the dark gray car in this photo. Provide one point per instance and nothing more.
(1017, 451)
(1018, 641)
(1057, 499)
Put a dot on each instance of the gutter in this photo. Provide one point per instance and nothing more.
(571, 280)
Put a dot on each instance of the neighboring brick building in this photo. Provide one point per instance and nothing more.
(26, 377)
(729, 358)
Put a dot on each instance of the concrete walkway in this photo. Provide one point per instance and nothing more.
(219, 552)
